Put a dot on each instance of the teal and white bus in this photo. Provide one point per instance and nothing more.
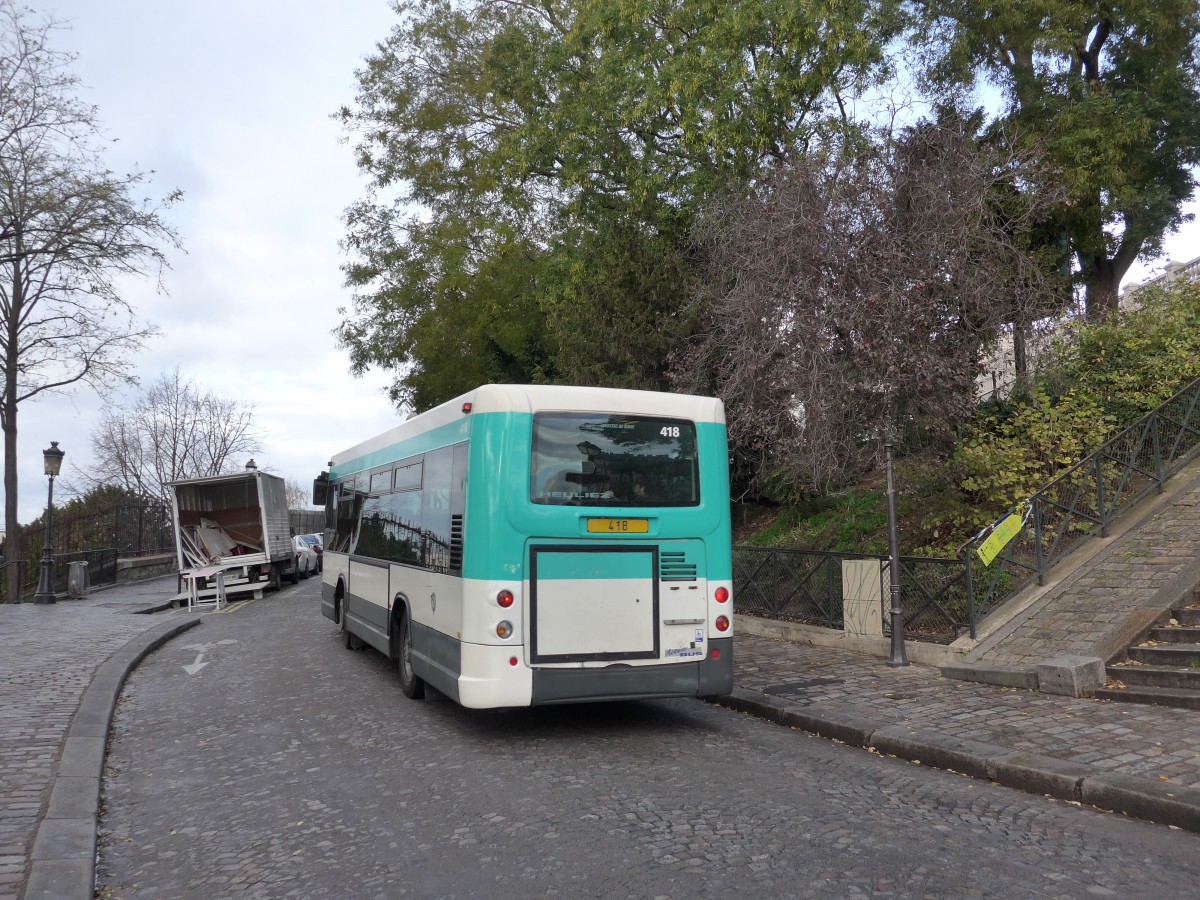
(533, 544)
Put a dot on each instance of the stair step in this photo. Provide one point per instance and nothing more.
(1189, 615)
(1176, 634)
(1156, 676)
(1159, 696)
(1184, 655)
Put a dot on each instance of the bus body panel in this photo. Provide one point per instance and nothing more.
(366, 602)
(435, 599)
(335, 571)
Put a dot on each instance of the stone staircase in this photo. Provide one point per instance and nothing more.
(1163, 668)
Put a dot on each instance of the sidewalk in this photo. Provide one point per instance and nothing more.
(1130, 758)
(61, 670)
(63, 667)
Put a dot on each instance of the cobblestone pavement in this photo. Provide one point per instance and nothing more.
(289, 766)
(1132, 739)
(50, 654)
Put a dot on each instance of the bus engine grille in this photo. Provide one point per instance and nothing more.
(673, 566)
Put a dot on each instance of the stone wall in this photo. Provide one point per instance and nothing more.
(143, 568)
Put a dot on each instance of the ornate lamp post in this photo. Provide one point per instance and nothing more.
(899, 656)
(53, 458)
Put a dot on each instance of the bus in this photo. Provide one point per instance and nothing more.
(525, 545)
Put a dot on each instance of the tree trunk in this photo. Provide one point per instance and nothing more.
(12, 529)
(8, 420)
(1021, 378)
(1102, 279)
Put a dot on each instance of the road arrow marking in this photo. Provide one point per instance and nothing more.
(196, 666)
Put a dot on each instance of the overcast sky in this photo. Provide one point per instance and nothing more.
(231, 102)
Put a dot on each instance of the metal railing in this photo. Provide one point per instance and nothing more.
(1085, 499)
(944, 598)
(806, 586)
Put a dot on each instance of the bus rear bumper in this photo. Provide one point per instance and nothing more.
(707, 678)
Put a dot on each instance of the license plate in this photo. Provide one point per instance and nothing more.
(618, 526)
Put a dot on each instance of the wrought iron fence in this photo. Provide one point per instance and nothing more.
(1084, 500)
(806, 586)
(101, 567)
(98, 537)
(797, 585)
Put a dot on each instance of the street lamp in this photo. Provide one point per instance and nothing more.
(899, 657)
(53, 458)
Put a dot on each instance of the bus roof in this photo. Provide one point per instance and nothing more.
(533, 398)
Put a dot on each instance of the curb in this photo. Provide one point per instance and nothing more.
(64, 847)
(1142, 798)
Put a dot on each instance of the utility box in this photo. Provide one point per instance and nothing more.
(862, 597)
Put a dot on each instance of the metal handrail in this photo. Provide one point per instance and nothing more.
(1085, 499)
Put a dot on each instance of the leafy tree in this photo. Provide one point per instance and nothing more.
(171, 430)
(1108, 91)
(850, 297)
(69, 228)
(535, 168)
(1135, 360)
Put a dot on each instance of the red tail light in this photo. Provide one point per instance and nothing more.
(721, 594)
(505, 599)
(716, 654)
(722, 623)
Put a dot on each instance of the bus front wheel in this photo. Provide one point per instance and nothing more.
(411, 683)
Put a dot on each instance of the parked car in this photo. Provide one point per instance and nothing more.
(307, 560)
(316, 543)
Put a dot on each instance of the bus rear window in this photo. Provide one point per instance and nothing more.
(594, 459)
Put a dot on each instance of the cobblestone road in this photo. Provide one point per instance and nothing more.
(287, 766)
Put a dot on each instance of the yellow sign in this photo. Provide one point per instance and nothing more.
(1004, 532)
(618, 526)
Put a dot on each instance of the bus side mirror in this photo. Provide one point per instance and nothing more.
(321, 489)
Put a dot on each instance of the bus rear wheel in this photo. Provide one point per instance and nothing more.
(411, 683)
(351, 642)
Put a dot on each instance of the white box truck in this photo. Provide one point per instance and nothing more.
(237, 522)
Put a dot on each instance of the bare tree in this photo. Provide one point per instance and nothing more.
(299, 496)
(850, 298)
(69, 228)
(172, 430)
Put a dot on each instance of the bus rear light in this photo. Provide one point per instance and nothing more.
(505, 599)
(716, 654)
(513, 661)
(721, 594)
(504, 629)
(466, 407)
(722, 623)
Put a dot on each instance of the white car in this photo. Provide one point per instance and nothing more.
(316, 543)
(307, 560)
